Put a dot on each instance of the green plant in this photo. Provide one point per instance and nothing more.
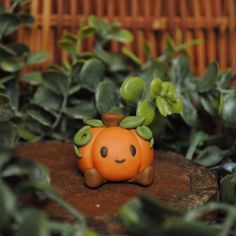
(149, 95)
(84, 86)
(14, 57)
(162, 81)
(146, 216)
(18, 179)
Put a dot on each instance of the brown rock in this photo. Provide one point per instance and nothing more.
(178, 183)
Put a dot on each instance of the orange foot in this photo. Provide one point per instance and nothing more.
(145, 177)
(93, 178)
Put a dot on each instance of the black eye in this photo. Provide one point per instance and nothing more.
(132, 150)
(104, 151)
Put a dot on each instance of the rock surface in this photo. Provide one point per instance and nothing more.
(178, 183)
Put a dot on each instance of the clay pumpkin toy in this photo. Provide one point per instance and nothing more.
(115, 149)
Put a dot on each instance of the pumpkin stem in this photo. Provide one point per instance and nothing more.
(112, 119)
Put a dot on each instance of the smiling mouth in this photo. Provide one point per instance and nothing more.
(120, 161)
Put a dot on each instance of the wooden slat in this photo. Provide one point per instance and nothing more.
(46, 24)
(232, 34)
(210, 37)
(200, 49)
(141, 22)
(212, 20)
(222, 41)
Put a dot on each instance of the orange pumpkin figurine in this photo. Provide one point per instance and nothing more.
(115, 149)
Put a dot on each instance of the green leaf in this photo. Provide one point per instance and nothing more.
(197, 139)
(156, 87)
(180, 228)
(144, 132)
(13, 91)
(41, 174)
(86, 31)
(224, 80)
(7, 204)
(228, 112)
(131, 55)
(91, 74)
(32, 78)
(145, 216)
(209, 78)
(130, 122)
(147, 48)
(82, 110)
(6, 111)
(21, 3)
(47, 98)
(146, 109)
(33, 222)
(168, 89)
(26, 134)
(5, 157)
(93, 122)
(170, 45)
(26, 19)
(114, 61)
(106, 96)
(132, 89)
(180, 70)
(163, 106)
(57, 82)
(5, 50)
(101, 26)
(210, 156)
(10, 66)
(123, 36)
(19, 169)
(40, 115)
(74, 89)
(69, 46)
(207, 105)
(175, 104)
(228, 189)
(189, 113)
(7, 135)
(37, 57)
(8, 24)
(75, 71)
(20, 49)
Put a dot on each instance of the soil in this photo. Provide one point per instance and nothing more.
(178, 183)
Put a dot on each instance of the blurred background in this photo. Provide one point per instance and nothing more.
(212, 21)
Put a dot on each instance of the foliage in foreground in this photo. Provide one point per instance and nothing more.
(146, 216)
(19, 179)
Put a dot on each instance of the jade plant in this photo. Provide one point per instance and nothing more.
(144, 215)
(14, 57)
(84, 86)
(8, 136)
(151, 98)
(21, 178)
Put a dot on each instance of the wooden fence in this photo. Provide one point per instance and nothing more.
(213, 21)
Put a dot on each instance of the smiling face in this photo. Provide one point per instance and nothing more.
(116, 154)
